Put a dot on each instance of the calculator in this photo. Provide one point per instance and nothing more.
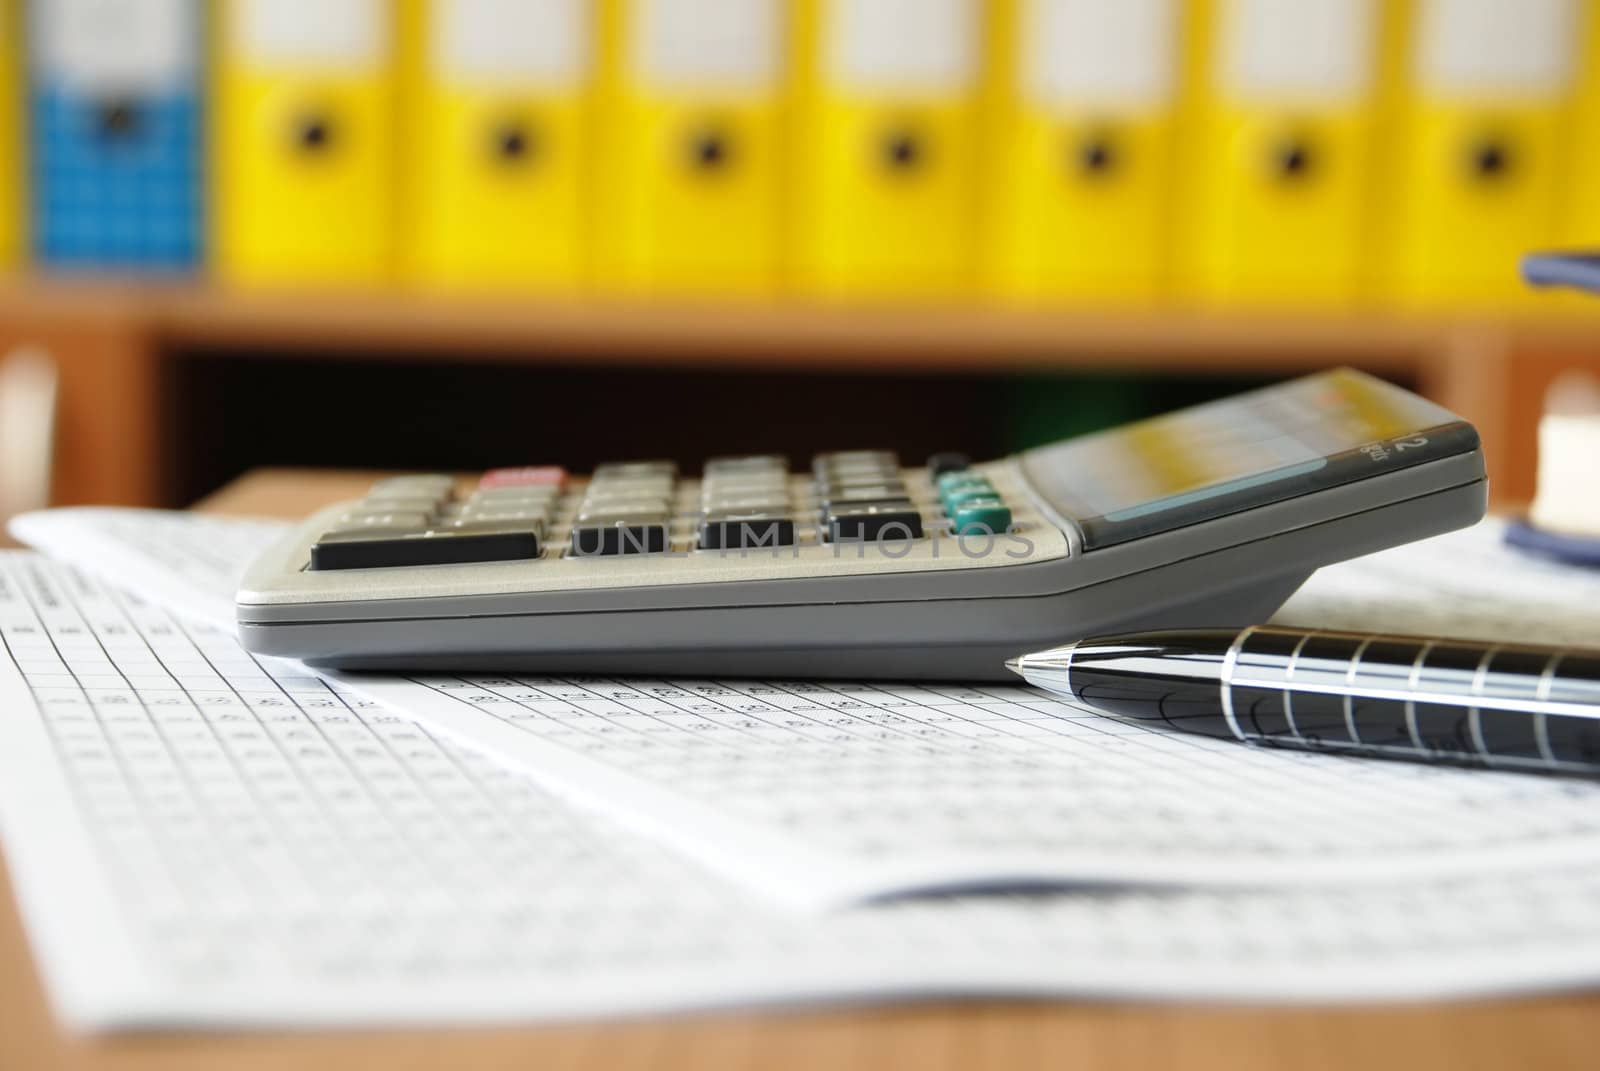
(859, 565)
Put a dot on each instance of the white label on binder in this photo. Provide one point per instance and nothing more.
(515, 41)
(903, 45)
(1497, 46)
(708, 44)
(1320, 50)
(312, 31)
(1087, 52)
(117, 46)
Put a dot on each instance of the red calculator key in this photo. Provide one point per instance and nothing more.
(530, 476)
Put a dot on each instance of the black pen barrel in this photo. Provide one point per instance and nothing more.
(1512, 706)
(1174, 678)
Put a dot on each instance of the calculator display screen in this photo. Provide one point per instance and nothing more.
(1266, 446)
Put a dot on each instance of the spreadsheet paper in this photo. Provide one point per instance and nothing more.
(820, 794)
(198, 837)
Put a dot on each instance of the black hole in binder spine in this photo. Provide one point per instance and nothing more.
(1292, 160)
(710, 150)
(903, 150)
(1490, 160)
(117, 119)
(1096, 155)
(514, 143)
(313, 133)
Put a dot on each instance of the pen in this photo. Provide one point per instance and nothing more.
(1508, 706)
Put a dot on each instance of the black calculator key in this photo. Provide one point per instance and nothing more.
(601, 538)
(939, 464)
(871, 521)
(746, 532)
(361, 550)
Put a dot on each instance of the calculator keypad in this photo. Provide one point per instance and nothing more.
(418, 520)
(745, 504)
(864, 497)
(740, 504)
(627, 509)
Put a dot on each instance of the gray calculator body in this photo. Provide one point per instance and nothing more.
(1207, 517)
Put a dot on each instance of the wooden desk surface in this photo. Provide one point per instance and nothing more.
(1536, 1033)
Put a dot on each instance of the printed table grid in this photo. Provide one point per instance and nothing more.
(893, 771)
(464, 872)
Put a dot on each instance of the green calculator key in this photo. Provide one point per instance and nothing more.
(957, 492)
(955, 479)
(980, 515)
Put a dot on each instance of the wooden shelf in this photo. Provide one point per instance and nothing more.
(110, 338)
(793, 335)
(792, 332)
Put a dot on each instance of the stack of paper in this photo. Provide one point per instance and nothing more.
(200, 836)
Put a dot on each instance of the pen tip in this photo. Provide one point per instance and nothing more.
(1014, 665)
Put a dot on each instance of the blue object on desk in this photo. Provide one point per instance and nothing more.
(1580, 271)
(115, 134)
(1571, 549)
